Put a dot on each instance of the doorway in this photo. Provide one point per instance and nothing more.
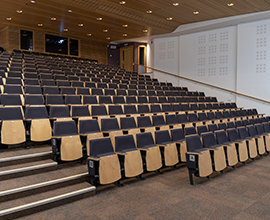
(142, 59)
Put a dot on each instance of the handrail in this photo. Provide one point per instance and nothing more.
(205, 84)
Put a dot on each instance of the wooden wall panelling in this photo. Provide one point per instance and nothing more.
(13, 39)
(4, 38)
(39, 41)
(93, 50)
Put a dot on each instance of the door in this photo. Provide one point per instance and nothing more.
(126, 58)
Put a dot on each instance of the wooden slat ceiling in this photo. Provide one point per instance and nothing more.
(114, 15)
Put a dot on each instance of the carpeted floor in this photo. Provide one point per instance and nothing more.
(243, 193)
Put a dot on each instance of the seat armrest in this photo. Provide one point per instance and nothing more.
(123, 154)
(94, 158)
(144, 149)
(195, 153)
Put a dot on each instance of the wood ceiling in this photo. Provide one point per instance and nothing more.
(114, 15)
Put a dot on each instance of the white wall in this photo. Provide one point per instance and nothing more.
(166, 58)
(236, 58)
(210, 57)
(253, 69)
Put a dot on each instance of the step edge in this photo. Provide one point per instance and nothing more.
(26, 156)
(43, 184)
(46, 201)
(24, 169)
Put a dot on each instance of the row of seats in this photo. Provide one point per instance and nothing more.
(214, 150)
(83, 83)
(33, 89)
(103, 111)
(83, 98)
(166, 146)
(135, 124)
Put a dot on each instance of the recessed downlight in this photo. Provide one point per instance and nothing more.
(19, 11)
(122, 2)
(145, 31)
(53, 19)
(105, 31)
(40, 24)
(230, 4)
(69, 10)
(175, 4)
(89, 35)
(99, 19)
(65, 29)
(9, 18)
(108, 38)
(125, 25)
(169, 18)
(124, 35)
(149, 12)
(80, 25)
(195, 12)
(33, 1)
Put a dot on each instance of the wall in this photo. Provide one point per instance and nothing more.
(39, 41)
(93, 50)
(10, 40)
(210, 57)
(254, 62)
(166, 58)
(235, 58)
(113, 55)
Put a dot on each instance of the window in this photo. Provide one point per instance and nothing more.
(26, 40)
(73, 47)
(56, 44)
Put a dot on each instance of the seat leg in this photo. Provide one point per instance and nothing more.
(190, 177)
(175, 167)
(208, 177)
(117, 183)
(139, 177)
(158, 171)
(81, 161)
(25, 146)
(55, 157)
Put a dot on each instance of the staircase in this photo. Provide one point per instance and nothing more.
(30, 181)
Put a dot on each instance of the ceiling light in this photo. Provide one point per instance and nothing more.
(195, 12)
(145, 31)
(89, 35)
(122, 2)
(65, 29)
(69, 11)
(105, 31)
(53, 19)
(19, 11)
(40, 25)
(125, 25)
(169, 18)
(175, 4)
(149, 12)
(80, 25)
(124, 35)
(230, 4)
(99, 19)
(9, 19)
(108, 38)
(33, 1)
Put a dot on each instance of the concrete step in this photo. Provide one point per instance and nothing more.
(15, 193)
(46, 200)
(18, 170)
